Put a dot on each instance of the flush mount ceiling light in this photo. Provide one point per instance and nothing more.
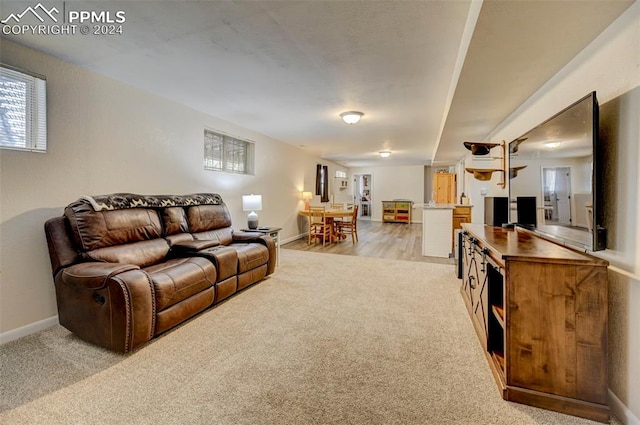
(351, 117)
(552, 145)
(385, 154)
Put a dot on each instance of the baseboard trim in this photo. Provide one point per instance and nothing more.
(293, 238)
(621, 411)
(14, 334)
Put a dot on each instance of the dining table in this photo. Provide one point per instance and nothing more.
(332, 215)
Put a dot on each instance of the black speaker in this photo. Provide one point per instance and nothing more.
(496, 210)
(527, 211)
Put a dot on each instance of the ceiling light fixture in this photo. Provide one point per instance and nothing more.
(385, 154)
(351, 117)
(552, 145)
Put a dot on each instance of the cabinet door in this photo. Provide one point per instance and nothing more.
(475, 287)
(466, 257)
(480, 293)
(444, 186)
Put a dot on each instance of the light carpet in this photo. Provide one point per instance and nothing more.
(327, 339)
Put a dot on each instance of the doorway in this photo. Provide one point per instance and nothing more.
(556, 189)
(362, 195)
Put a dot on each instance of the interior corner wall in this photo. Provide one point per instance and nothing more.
(105, 137)
(610, 65)
(428, 184)
(394, 182)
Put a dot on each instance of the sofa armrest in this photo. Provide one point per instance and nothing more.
(261, 238)
(93, 275)
(108, 304)
(62, 253)
(190, 247)
(242, 236)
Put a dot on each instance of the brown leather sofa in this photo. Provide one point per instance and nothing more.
(128, 267)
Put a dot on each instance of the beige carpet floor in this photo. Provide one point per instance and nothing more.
(328, 339)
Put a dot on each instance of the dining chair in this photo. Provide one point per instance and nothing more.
(319, 226)
(350, 225)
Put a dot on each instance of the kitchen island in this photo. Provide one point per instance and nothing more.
(438, 224)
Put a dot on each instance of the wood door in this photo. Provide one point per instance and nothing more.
(444, 188)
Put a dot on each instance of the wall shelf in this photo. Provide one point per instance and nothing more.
(480, 148)
(484, 174)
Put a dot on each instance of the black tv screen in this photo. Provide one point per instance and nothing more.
(558, 164)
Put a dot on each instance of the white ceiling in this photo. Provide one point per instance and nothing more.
(287, 69)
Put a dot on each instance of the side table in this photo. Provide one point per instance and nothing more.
(274, 232)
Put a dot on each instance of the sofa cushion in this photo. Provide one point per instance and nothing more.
(178, 279)
(92, 229)
(224, 236)
(174, 220)
(202, 218)
(178, 238)
(143, 254)
(250, 255)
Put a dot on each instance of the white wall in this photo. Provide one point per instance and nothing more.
(611, 66)
(106, 137)
(389, 183)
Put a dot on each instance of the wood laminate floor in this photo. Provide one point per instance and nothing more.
(398, 241)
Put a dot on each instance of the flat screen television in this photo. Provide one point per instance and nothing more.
(558, 163)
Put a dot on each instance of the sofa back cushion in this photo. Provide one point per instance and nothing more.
(143, 253)
(223, 235)
(174, 220)
(95, 230)
(202, 218)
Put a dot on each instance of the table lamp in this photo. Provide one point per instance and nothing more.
(307, 196)
(252, 203)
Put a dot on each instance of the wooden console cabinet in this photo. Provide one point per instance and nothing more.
(540, 312)
(396, 211)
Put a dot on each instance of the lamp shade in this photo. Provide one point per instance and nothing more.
(307, 197)
(251, 202)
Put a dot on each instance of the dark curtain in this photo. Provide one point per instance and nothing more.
(322, 182)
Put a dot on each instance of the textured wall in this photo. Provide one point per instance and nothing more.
(106, 137)
(389, 183)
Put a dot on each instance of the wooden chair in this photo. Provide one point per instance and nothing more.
(319, 226)
(350, 225)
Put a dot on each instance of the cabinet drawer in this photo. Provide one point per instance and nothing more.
(462, 211)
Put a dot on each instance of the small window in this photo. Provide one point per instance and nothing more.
(341, 174)
(226, 153)
(23, 111)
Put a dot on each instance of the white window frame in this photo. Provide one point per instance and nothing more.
(23, 127)
(228, 154)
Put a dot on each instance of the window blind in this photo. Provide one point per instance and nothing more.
(226, 153)
(23, 111)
